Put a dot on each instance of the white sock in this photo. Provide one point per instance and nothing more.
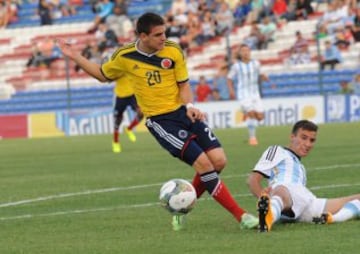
(349, 211)
(277, 206)
(251, 125)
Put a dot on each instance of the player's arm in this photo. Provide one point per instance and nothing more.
(88, 66)
(230, 82)
(187, 98)
(230, 85)
(254, 183)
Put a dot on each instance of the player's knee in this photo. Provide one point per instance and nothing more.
(219, 163)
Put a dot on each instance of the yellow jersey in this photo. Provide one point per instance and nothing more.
(123, 87)
(154, 77)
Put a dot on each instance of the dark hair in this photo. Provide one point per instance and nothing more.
(148, 21)
(244, 45)
(305, 125)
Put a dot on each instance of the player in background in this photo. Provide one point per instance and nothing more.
(286, 197)
(158, 71)
(247, 74)
(124, 97)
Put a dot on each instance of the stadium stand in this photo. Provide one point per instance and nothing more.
(34, 89)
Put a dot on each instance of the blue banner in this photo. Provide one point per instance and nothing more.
(342, 108)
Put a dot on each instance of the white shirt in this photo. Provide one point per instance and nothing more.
(281, 165)
(247, 77)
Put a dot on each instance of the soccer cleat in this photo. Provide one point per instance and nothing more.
(116, 147)
(266, 217)
(178, 222)
(253, 141)
(130, 135)
(248, 221)
(325, 218)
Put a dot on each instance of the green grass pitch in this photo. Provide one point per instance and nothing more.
(72, 195)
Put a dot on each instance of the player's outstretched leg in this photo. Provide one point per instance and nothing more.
(350, 210)
(325, 218)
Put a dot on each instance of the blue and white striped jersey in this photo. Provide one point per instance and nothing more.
(246, 76)
(280, 165)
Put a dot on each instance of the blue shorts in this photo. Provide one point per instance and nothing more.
(122, 103)
(183, 139)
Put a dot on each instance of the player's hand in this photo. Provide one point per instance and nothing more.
(195, 114)
(66, 48)
(267, 190)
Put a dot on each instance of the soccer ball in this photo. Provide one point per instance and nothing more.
(178, 196)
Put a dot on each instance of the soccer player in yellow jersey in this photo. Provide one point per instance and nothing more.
(124, 97)
(158, 71)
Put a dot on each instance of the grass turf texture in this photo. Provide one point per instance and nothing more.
(73, 195)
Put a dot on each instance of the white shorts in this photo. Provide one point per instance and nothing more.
(306, 205)
(251, 104)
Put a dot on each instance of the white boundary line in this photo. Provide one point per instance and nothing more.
(90, 192)
(106, 209)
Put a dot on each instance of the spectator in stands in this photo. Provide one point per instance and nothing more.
(119, 22)
(346, 88)
(224, 19)
(49, 50)
(4, 15)
(37, 58)
(242, 11)
(193, 29)
(355, 83)
(220, 83)
(202, 90)
(267, 29)
(355, 28)
(180, 16)
(215, 95)
(266, 9)
(321, 32)
(290, 13)
(91, 52)
(279, 9)
(8, 12)
(104, 9)
(303, 9)
(45, 12)
(106, 37)
(44, 53)
(207, 29)
(192, 6)
(255, 38)
(178, 6)
(331, 56)
(299, 52)
(66, 8)
(253, 15)
(343, 37)
(174, 30)
(93, 4)
(123, 5)
(333, 17)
